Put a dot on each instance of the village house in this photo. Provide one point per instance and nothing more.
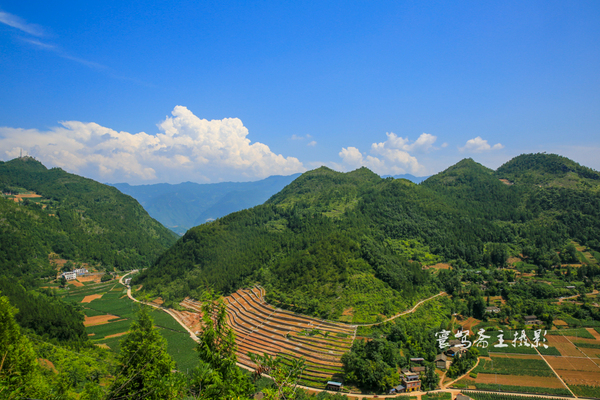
(442, 361)
(417, 369)
(411, 381)
(532, 320)
(397, 389)
(335, 386)
(456, 351)
(69, 275)
(493, 309)
(80, 271)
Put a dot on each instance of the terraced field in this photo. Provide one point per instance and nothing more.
(262, 328)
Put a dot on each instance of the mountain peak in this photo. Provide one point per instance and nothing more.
(27, 163)
(547, 169)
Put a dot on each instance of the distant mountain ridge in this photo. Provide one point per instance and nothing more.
(412, 178)
(185, 205)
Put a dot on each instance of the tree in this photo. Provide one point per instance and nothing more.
(18, 366)
(145, 365)
(285, 378)
(217, 376)
(430, 378)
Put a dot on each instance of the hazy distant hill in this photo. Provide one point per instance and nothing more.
(351, 245)
(75, 217)
(412, 178)
(182, 206)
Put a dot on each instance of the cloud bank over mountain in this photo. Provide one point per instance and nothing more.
(186, 148)
(392, 157)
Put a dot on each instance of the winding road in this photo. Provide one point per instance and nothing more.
(444, 388)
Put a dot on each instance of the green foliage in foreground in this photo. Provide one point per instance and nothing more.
(44, 313)
(144, 364)
(19, 367)
(217, 376)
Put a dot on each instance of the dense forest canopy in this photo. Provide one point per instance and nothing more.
(77, 218)
(332, 243)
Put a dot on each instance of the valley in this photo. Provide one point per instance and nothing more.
(353, 275)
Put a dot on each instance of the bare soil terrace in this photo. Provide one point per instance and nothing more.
(262, 328)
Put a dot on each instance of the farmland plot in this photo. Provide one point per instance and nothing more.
(108, 316)
(261, 328)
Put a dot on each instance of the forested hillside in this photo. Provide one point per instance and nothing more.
(77, 218)
(339, 245)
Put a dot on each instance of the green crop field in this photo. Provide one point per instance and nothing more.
(586, 391)
(499, 396)
(522, 389)
(580, 332)
(114, 301)
(514, 366)
(437, 396)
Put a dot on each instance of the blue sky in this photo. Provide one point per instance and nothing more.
(161, 91)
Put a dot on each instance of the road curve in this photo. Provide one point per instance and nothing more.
(453, 392)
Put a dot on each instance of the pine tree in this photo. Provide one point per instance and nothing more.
(145, 366)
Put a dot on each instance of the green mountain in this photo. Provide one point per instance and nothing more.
(352, 246)
(182, 206)
(51, 211)
(548, 170)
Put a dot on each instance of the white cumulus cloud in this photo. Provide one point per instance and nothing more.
(390, 157)
(478, 145)
(185, 148)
